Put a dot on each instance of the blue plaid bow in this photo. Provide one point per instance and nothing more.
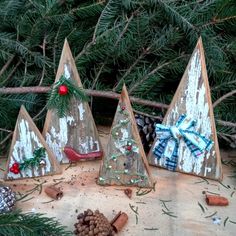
(168, 144)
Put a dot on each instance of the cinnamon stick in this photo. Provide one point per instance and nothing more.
(215, 200)
(54, 192)
(119, 221)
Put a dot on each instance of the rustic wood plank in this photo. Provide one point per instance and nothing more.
(76, 131)
(193, 98)
(125, 161)
(26, 139)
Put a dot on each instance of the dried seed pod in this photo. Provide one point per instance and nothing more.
(93, 223)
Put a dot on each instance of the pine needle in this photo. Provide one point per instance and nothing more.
(202, 208)
(233, 222)
(211, 215)
(232, 194)
(151, 229)
(169, 213)
(227, 187)
(225, 221)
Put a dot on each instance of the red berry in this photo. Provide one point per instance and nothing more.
(16, 171)
(129, 148)
(12, 169)
(63, 89)
(15, 165)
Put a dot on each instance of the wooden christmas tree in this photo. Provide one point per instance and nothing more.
(29, 154)
(71, 134)
(125, 161)
(187, 140)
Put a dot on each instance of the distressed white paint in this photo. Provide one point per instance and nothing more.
(121, 142)
(81, 111)
(83, 145)
(94, 145)
(66, 71)
(23, 148)
(88, 145)
(207, 169)
(57, 139)
(197, 107)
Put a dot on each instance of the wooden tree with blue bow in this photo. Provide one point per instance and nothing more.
(186, 140)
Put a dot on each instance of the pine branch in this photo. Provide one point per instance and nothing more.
(89, 92)
(13, 70)
(139, 82)
(223, 98)
(4, 68)
(218, 21)
(44, 55)
(90, 44)
(226, 123)
(176, 17)
(223, 84)
(28, 224)
(5, 130)
(116, 43)
(108, 14)
(121, 80)
(148, 115)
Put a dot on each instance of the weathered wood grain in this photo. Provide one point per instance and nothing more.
(193, 98)
(26, 139)
(77, 129)
(117, 167)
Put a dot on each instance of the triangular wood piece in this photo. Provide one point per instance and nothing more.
(125, 161)
(23, 160)
(191, 110)
(73, 137)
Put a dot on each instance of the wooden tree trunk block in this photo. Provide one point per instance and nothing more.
(193, 98)
(125, 161)
(75, 133)
(27, 139)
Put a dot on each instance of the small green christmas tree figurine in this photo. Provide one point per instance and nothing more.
(125, 160)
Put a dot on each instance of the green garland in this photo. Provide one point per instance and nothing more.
(30, 224)
(38, 155)
(38, 158)
(61, 102)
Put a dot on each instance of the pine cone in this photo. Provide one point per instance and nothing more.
(7, 199)
(146, 128)
(92, 224)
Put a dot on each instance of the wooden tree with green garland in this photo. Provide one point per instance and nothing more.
(29, 154)
(125, 161)
(69, 127)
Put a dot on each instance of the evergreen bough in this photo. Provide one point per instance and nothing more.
(17, 223)
(146, 44)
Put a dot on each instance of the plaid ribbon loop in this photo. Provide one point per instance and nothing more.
(168, 142)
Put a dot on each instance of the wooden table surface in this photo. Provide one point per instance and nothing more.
(184, 196)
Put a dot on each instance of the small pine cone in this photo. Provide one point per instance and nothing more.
(7, 199)
(93, 223)
(146, 127)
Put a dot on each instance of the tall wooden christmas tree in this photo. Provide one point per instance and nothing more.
(187, 140)
(29, 154)
(125, 161)
(72, 134)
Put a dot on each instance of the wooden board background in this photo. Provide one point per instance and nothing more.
(135, 165)
(194, 99)
(77, 129)
(183, 191)
(26, 139)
